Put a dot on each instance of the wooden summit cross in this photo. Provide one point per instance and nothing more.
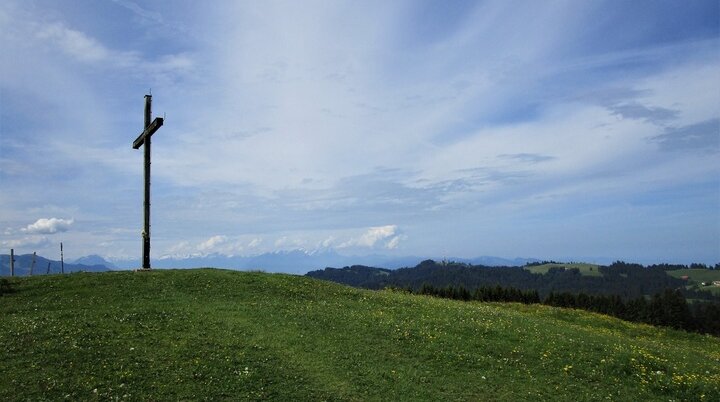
(144, 138)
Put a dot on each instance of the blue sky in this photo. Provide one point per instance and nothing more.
(548, 129)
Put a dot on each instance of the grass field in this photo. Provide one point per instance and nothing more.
(213, 334)
(585, 269)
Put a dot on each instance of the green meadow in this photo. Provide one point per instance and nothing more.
(226, 335)
(585, 269)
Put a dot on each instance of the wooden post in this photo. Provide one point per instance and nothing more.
(48, 271)
(62, 261)
(12, 262)
(33, 262)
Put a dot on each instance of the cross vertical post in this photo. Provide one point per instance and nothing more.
(144, 139)
(146, 198)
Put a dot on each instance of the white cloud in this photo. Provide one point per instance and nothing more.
(254, 243)
(373, 236)
(49, 226)
(222, 244)
(212, 243)
(393, 243)
(328, 242)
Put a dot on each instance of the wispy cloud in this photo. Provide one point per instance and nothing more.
(79, 46)
(27, 242)
(703, 137)
(529, 158)
(75, 43)
(141, 12)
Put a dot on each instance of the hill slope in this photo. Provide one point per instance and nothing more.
(193, 334)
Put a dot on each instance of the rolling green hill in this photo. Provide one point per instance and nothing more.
(697, 276)
(212, 334)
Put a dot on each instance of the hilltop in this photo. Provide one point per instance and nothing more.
(213, 334)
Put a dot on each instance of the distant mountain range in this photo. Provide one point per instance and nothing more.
(95, 259)
(302, 261)
(43, 266)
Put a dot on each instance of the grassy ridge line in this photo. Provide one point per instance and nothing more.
(696, 275)
(233, 335)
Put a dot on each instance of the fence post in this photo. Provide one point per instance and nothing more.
(33, 262)
(12, 262)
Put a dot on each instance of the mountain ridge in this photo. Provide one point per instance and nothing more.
(300, 261)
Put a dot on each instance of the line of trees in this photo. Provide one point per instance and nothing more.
(484, 293)
(668, 308)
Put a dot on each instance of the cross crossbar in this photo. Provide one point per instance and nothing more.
(149, 130)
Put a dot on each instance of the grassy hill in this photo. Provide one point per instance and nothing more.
(212, 334)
